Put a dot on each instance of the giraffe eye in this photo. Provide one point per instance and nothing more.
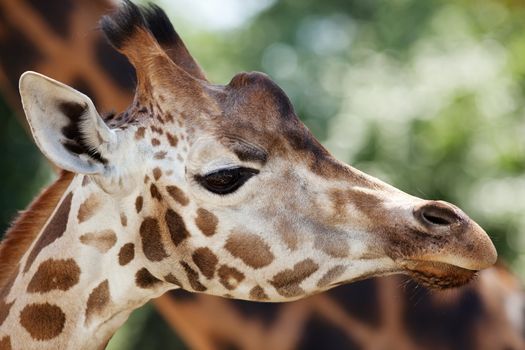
(226, 180)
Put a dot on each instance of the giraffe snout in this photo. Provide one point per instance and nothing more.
(464, 243)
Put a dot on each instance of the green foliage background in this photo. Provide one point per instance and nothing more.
(427, 95)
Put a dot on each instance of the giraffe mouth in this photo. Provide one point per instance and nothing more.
(438, 275)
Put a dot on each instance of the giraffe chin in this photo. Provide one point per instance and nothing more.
(438, 275)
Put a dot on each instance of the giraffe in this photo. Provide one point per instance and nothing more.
(367, 314)
(201, 331)
(116, 123)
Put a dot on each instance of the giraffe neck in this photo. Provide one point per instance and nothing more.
(81, 277)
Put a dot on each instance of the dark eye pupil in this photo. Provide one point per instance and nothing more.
(222, 178)
(227, 180)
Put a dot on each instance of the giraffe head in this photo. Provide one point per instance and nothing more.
(229, 192)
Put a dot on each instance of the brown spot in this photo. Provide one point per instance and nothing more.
(126, 254)
(144, 279)
(172, 279)
(206, 261)
(139, 134)
(155, 192)
(193, 277)
(176, 226)
(156, 130)
(288, 234)
(4, 311)
(160, 155)
(155, 142)
(88, 208)
(146, 179)
(172, 139)
(339, 200)
(159, 118)
(206, 222)
(123, 219)
(230, 277)
(177, 194)
(54, 230)
(138, 203)
(101, 240)
(98, 301)
(169, 117)
(5, 343)
(369, 204)
(250, 248)
(151, 240)
(54, 275)
(332, 244)
(257, 293)
(331, 275)
(43, 321)
(287, 282)
(85, 180)
(157, 173)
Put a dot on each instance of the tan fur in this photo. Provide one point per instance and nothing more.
(28, 224)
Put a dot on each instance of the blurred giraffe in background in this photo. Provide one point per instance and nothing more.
(379, 313)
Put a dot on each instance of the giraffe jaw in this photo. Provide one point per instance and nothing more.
(438, 275)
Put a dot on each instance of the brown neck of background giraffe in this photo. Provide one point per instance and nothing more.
(60, 39)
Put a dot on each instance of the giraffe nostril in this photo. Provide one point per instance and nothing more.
(436, 220)
(436, 213)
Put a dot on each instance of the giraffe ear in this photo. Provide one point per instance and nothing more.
(65, 124)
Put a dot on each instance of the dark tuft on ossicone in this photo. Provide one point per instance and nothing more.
(160, 25)
(121, 24)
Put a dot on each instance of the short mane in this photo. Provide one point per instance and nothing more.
(28, 224)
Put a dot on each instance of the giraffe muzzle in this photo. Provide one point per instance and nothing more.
(455, 246)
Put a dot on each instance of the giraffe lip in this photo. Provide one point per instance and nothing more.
(438, 275)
